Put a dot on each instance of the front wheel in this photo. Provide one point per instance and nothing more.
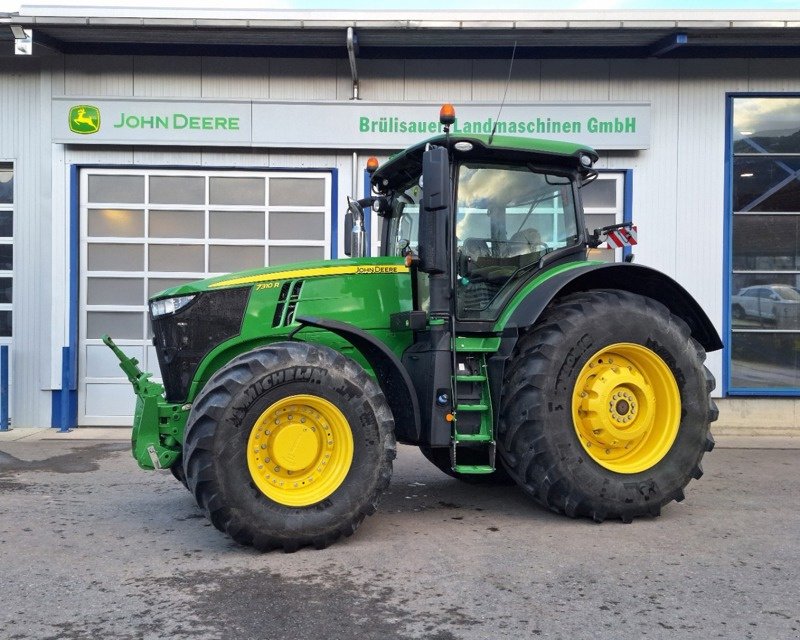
(288, 446)
(606, 407)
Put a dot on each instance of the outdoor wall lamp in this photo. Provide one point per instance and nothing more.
(23, 40)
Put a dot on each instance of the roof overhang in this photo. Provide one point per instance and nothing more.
(395, 34)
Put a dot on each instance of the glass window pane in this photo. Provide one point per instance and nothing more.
(286, 255)
(297, 192)
(768, 124)
(237, 224)
(115, 188)
(766, 243)
(123, 223)
(236, 191)
(6, 224)
(766, 184)
(177, 224)
(5, 324)
(127, 291)
(157, 285)
(770, 360)
(115, 257)
(6, 184)
(226, 259)
(767, 301)
(6, 257)
(6, 289)
(177, 190)
(117, 324)
(600, 194)
(177, 257)
(297, 226)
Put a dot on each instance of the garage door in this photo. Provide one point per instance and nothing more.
(145, 230)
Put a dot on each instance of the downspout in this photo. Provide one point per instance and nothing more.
(352, 50)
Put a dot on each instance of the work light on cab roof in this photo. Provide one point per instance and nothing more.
(447, 115)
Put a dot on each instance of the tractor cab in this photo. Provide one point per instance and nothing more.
(512, 207)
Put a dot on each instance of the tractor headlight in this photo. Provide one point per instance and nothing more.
(169, 305)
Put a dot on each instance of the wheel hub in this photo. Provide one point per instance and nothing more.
(300, 450)
(626, 407)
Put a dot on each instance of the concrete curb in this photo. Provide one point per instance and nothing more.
(123, 434)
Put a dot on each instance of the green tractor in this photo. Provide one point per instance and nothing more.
(482, 334)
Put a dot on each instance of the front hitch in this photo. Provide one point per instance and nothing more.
(157, 425)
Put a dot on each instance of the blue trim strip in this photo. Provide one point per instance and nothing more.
(334, 213)
(4, 387)
(727, 248)
(64, 412)
(762, 391)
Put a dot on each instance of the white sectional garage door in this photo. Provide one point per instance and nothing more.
(145, 230)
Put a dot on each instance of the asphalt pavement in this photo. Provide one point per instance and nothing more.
(93, 547)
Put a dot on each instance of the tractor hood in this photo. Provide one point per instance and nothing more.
(272, 277)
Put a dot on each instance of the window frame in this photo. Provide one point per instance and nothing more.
(728, 389)
(9, 241)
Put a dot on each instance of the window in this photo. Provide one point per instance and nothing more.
(6, 247)
(603, 205)
(764, 300)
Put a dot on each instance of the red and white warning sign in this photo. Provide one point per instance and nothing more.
(622, 237)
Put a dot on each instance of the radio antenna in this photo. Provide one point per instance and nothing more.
(505, 93)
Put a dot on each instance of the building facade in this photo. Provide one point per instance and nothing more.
(137, 152)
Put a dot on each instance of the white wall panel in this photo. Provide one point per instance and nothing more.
(88, 75)
(302, 79)
(489, 80)
(25, 86)
(246, 78)
(438, 80)
(773, 75)
(701, 178)
(379, 80)
(566, 80)
(655, 169)
(167, 76)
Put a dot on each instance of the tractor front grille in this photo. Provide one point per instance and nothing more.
(183, 339)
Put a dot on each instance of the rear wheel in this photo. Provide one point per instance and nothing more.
(606, 407)
(289, 446)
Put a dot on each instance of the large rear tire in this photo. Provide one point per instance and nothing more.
(606, 407)
(289, 446)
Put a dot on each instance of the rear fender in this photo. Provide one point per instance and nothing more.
(627, 277)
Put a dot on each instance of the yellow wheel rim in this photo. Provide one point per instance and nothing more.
(626, 408)
(300, 450)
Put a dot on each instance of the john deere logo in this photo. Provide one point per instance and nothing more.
(84, 118)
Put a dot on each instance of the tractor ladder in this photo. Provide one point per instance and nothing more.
(473, 422)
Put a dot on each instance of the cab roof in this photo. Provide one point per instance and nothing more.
(407, 164)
